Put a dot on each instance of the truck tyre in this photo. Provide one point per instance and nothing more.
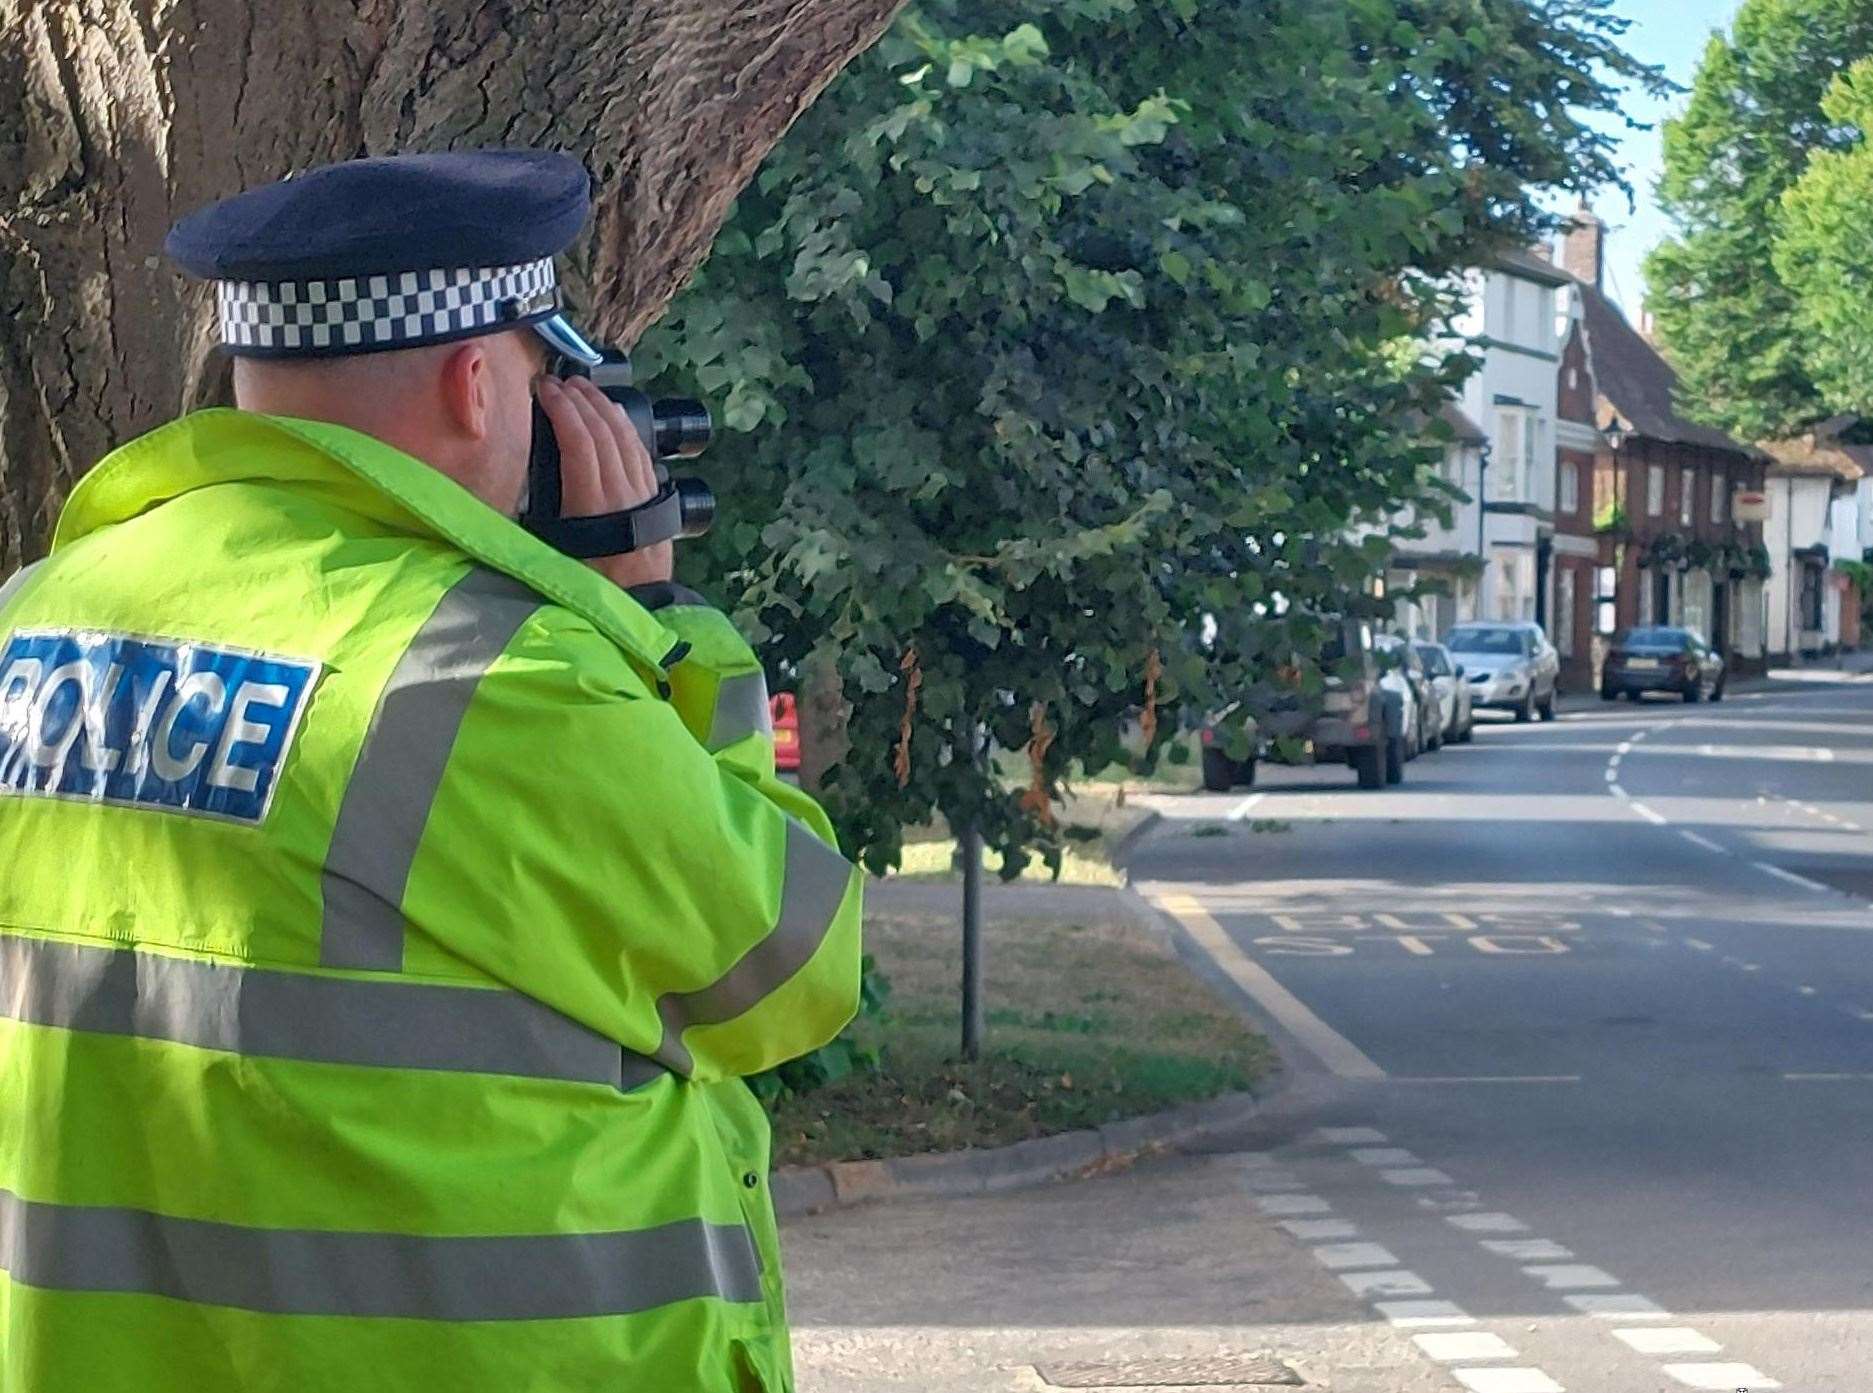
(1219, 771)
(1369, 762)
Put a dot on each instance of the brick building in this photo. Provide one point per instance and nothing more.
(1669, 549)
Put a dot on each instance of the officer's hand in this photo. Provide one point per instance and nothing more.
(604, 468)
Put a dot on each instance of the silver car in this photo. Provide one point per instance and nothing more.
(1510, 666)
(1451, 683)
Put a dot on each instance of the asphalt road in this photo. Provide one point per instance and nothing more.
(1581, 1022)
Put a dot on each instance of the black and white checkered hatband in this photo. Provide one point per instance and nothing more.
(399, 310)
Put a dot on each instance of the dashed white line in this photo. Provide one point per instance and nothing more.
(1410, 1315)
(1315, 1230)
(1383, 1156)
(1528, 1249)
(1700, 945)
(1394, 1283)
(1570, 1276)
(1792, 878)
(1697, 839)
(1648, 814)
(1242, 809)
(1724, 1376)
(1617, 1306)
(1619, 792)
(1338, 1256)
(1486, 1223)
(1275, 1205)
(1506, 1381)
(1806, 991)
(1415, 1175)
(1347, 1136)
(1667, 1339)
(1827, 1078)
(1449, 1346)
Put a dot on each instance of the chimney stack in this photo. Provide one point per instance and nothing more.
(1583, 253)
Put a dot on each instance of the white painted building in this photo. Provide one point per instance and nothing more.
(1820, 512)
(1520, 312)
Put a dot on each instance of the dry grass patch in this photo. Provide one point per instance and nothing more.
(1087, 1023)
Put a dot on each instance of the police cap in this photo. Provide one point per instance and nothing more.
(391, 252)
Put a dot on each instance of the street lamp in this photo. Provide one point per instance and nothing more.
(1482, 544)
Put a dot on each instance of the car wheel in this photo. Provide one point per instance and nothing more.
(1547, 707)
(1219, 771)
(1526, 711)
(1395, 760)
(1369, 763)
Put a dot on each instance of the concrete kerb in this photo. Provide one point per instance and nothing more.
(800, 1190)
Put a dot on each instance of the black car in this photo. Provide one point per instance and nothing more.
(1661, 658)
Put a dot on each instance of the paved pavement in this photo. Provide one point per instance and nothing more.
(1580, 1022)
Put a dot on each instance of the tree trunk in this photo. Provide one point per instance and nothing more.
(118, 116)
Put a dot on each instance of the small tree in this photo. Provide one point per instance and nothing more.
(1071, 361)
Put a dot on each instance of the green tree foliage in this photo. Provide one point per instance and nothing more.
(1729, 319)
(1824, 254)
(1070, 356)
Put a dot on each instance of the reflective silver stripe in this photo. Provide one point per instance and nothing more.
(286, 1015)
(741, 708)
(817, 878)
(11, 586)
(400, 767)
(309, 1272)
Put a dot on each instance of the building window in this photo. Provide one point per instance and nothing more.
(1605, 600)
(1568, 476)
(1687, 495)
(1719, 487)
(1509, 285)
(1515, 449)
(1564, 611)
(1654, 492)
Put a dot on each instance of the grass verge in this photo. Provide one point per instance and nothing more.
(1087, 1023)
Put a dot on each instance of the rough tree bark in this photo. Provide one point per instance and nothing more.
(117, 116)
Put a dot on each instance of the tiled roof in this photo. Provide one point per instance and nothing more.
(1822, 451)
(1637, 388)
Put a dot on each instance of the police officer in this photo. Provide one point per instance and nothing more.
(392, 905)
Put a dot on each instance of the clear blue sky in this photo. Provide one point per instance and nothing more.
(1672, 34)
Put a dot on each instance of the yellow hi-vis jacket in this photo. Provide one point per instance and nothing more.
(389, 909)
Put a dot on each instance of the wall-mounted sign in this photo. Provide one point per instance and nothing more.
(1747, 505)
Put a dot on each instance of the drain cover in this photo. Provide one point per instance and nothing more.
(1255, 1371)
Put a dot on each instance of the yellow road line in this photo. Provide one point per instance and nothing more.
(1326, 1044)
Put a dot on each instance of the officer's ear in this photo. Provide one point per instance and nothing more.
(467, 387)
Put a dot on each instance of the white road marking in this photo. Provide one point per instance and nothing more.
(1406, 1315)
(1612, 772)
(1699, 944)
(1617, 1306)
(1394, 1283)
(1313, 1230)
(1649, 815)
(1826, 1078)
(1724, 1376)
(1467, 1344)
(1275, 1205)
(1668, 1339)
(1415, 1175)
(1487, 1223)
(1792, 878)
(1698, 840)
(1619, 792)
(1344, 1255)
(1506, 1381)
(1383, 1156)
(1486, 1078)
(1809, 754)
(1860, 1013)
(1806, 991)
(1241, 810)
(1623, 748)
(1347, 1136)
(1570, 1276)
(1340, 1055)
(1528, 1249)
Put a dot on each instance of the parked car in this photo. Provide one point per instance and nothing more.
(1511, 666)
(1405, 675)
(1661, 658)
(1450, 682)
(1359, 722)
